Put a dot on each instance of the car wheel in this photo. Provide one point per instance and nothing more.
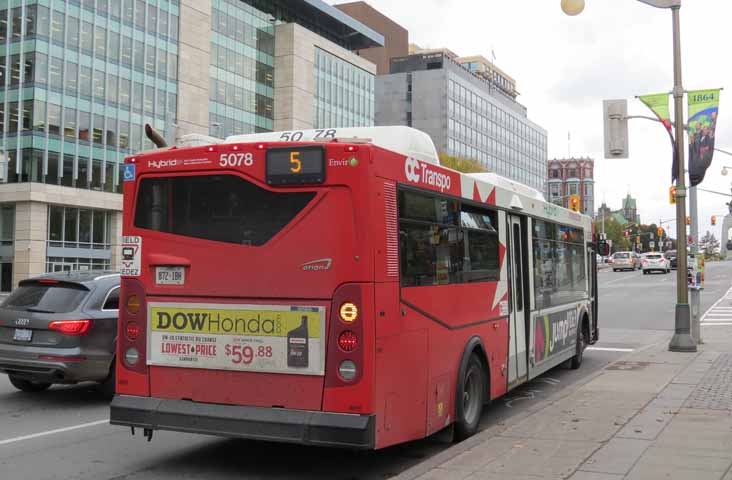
(28, 385)
(108, 385)
(615, 269)
(469, 402)
(645, 272)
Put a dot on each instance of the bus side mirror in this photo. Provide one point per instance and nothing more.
(603, 248)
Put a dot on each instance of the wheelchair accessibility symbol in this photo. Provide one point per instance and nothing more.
(129, 172)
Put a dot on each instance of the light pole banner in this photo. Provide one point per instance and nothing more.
(703, 109)
(658, 103)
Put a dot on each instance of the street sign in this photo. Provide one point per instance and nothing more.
(652, 244)
(690, 241)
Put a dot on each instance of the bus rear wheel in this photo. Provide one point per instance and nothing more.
(576, 361)
(471, 396)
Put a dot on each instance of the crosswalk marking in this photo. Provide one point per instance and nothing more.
(719, 315)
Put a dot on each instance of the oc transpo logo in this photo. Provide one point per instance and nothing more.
(417, 172)
(411, 169)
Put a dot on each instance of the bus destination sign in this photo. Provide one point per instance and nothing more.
(296, 166)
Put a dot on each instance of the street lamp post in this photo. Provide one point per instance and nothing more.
(682, 340)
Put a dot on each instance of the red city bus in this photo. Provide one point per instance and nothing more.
(340, 288)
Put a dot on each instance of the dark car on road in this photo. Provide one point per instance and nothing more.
(671, 256)
(60, 328)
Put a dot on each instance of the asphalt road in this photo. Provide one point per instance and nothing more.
(63, 433)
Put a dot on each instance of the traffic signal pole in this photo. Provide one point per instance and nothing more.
(695, 293)
(682, 340)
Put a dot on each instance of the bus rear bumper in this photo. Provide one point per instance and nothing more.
(255, 423)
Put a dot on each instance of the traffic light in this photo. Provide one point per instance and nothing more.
(714, 220)
(574, 203)
(659, 231)
(672, 195)
(688, 220)
(615, 116)
(637, 239)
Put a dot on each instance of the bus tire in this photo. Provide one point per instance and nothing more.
(582, 335)
(471, 391)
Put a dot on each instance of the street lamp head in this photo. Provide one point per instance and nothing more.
(573, 7)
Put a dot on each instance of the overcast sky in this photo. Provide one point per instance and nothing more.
(565, 66)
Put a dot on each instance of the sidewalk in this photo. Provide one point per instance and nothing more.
(652, 415)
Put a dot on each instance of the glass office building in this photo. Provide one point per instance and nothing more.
(344, 93)
(242, 69)
(466, 114)
(79, 79)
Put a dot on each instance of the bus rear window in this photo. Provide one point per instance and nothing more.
(222, 208)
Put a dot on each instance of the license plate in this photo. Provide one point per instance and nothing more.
(22, 335)
(170, 275)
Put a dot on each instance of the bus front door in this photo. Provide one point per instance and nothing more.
(517, 360)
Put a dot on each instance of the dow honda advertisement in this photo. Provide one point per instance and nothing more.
(261, 338)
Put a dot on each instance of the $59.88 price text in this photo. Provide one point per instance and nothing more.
(246, 354)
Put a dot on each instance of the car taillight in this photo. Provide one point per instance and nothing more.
(348, 341)
(70, 327)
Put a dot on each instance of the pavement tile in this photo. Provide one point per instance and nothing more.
(444, 474)
(552, 458)
(648, 424)
(501, 476)
(617, 457)
(650, 379)
(670, 457)
(478, 457)
(656, 472)
(673, 396)
(700, 411)
(580, 475)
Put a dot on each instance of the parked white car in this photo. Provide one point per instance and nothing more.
(655, 261)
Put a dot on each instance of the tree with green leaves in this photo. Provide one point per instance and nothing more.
(614, 232)
(464, 165)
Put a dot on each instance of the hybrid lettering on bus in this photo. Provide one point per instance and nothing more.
(338, 288)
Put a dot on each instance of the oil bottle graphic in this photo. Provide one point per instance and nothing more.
(297, 345)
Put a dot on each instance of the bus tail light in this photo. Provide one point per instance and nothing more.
(133, 322)
(348, 312)
(348, 341)
(344, 362)
(132, 331)
(347, 370)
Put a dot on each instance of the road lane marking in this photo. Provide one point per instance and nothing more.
(53, 432)
(610, 349)
(716, 324)
(709, 312)
(616, 280)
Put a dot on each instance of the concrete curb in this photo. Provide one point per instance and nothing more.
(490, 432)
